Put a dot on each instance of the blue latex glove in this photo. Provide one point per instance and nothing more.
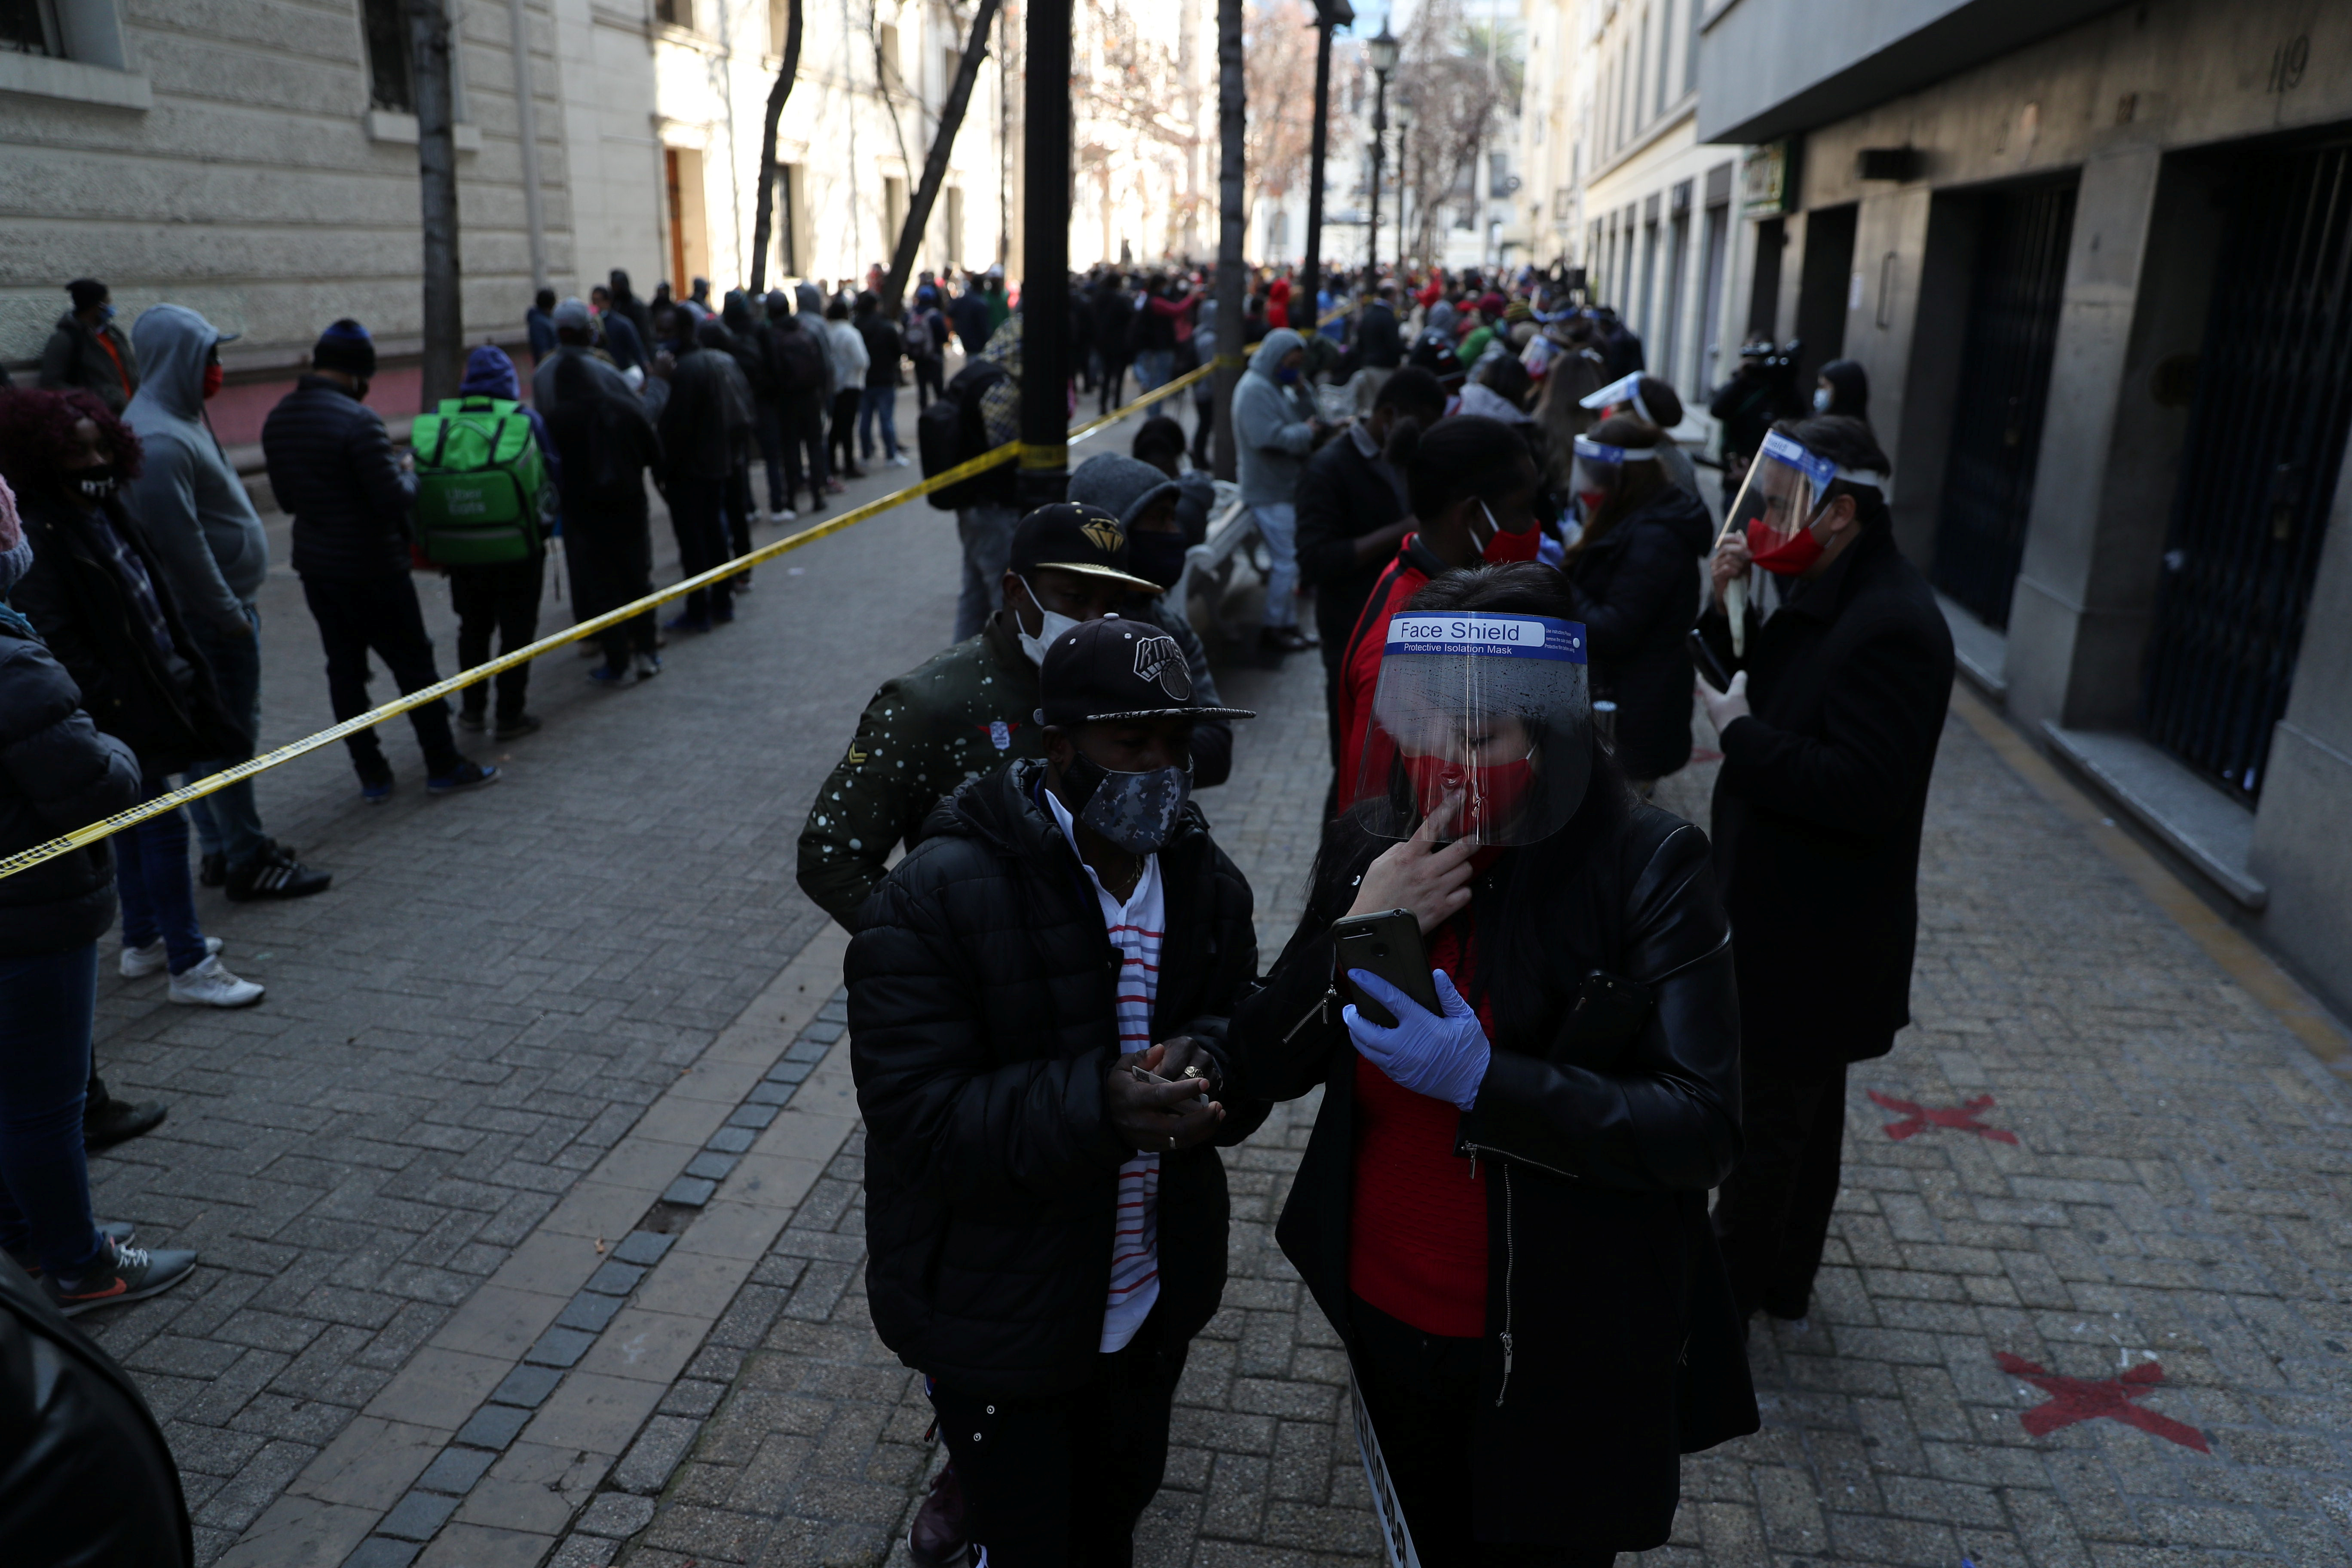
(1442, 1056)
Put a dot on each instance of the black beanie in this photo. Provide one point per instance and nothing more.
(345, 347)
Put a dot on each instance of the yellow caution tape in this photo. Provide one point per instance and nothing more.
(172, 800)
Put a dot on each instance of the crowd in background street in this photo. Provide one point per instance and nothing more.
(1414, 452)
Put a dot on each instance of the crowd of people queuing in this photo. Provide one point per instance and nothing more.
(1546, 1016)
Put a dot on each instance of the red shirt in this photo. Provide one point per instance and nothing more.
(1417, 1218)
(1359, 667)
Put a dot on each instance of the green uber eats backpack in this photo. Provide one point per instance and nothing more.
(480, 482)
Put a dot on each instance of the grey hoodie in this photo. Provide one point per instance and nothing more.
(1274, 430)
(207, 536)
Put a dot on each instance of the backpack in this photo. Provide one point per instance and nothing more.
(480, 482)
(953, 430)
(800, 364)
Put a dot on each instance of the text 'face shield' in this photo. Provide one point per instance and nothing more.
(1482, 721)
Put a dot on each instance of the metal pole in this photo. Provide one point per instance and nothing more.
(1380, 150)
(1045, 258)
(1309, 280)
(1231, 106)
(526, 127)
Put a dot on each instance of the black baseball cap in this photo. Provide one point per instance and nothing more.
(1071, 537)
(1115, 669)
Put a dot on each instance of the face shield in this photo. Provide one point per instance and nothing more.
(1600, 469)
(1777, 503)
(1625, 389)
(1480, 720)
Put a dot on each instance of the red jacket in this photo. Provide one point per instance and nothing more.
(1359, 667)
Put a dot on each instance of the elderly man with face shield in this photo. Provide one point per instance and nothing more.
(1039, 1004)
(1842, 670)
(966, 709)
(1502, 1210)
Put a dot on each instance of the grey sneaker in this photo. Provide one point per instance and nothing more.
(128, 1274)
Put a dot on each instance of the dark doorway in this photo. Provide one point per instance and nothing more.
(1764, 293)
(2012, 330)
(1822, 290)
(2266, 433)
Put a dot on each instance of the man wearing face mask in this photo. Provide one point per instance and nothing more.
(966, 711)
(88, 351)
(1828, 732)
(1145, 501)
(1046, 1211)
(209, 543)
(1471, 484)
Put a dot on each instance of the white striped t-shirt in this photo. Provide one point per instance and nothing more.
(1135, 929)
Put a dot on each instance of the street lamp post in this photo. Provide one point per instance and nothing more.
(1404, 174)
(1383, 52)
(1328, 14)
(1046, 258)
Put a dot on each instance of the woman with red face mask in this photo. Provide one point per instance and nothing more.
(1472, 486)
(1632, 580)
(1502, 1210)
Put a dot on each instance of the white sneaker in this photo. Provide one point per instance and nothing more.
(899, 461)
(210, 985)
(783, 514)
(139, 962)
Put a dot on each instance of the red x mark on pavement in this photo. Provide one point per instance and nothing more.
(1960, 1117)
(2074, 1399)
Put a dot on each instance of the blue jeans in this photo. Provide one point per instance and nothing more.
(1278, 524)
(987, 536)
(1153, 367)
(227, 821)
(873, 403)
(159, 896)
(47, 1004)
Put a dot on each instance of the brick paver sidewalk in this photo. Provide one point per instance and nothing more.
(2085, 1303)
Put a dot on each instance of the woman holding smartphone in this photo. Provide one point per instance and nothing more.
(1502, 1207)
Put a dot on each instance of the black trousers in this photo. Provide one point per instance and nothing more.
(803, 425)
(610, 556)
(739, 512)
(843, 439)
(698, 516)
(379, 615)
(1422, 1392)
(767, 427)
(1772, 1216)
(501, 597)
(930, 379)
(1059, 1483)
(1113, 390)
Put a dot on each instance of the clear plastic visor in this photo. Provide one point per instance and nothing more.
(1601, 469)
(1780, 495)
(1481, 724)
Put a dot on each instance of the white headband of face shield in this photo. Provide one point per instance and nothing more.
(1794, 454)
(1593, 451)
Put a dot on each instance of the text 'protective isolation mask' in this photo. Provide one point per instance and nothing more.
(1482, 721)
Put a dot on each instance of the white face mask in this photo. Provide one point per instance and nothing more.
(1052, 624)
(1822, 400)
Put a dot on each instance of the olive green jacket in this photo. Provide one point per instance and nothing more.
(968, 710)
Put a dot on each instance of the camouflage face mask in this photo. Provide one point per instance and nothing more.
(1135, 811)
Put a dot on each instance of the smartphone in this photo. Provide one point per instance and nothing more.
(1711, 667)
(1388, 945)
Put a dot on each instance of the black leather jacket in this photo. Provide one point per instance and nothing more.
(1612, 1343)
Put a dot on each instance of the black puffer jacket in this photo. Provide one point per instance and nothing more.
(167, 711)
(57, 773)
(331, 468)
(983, 1025)
(1603, 1277)
(1637, 589)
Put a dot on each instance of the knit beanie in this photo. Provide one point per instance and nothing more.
(345, 347)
